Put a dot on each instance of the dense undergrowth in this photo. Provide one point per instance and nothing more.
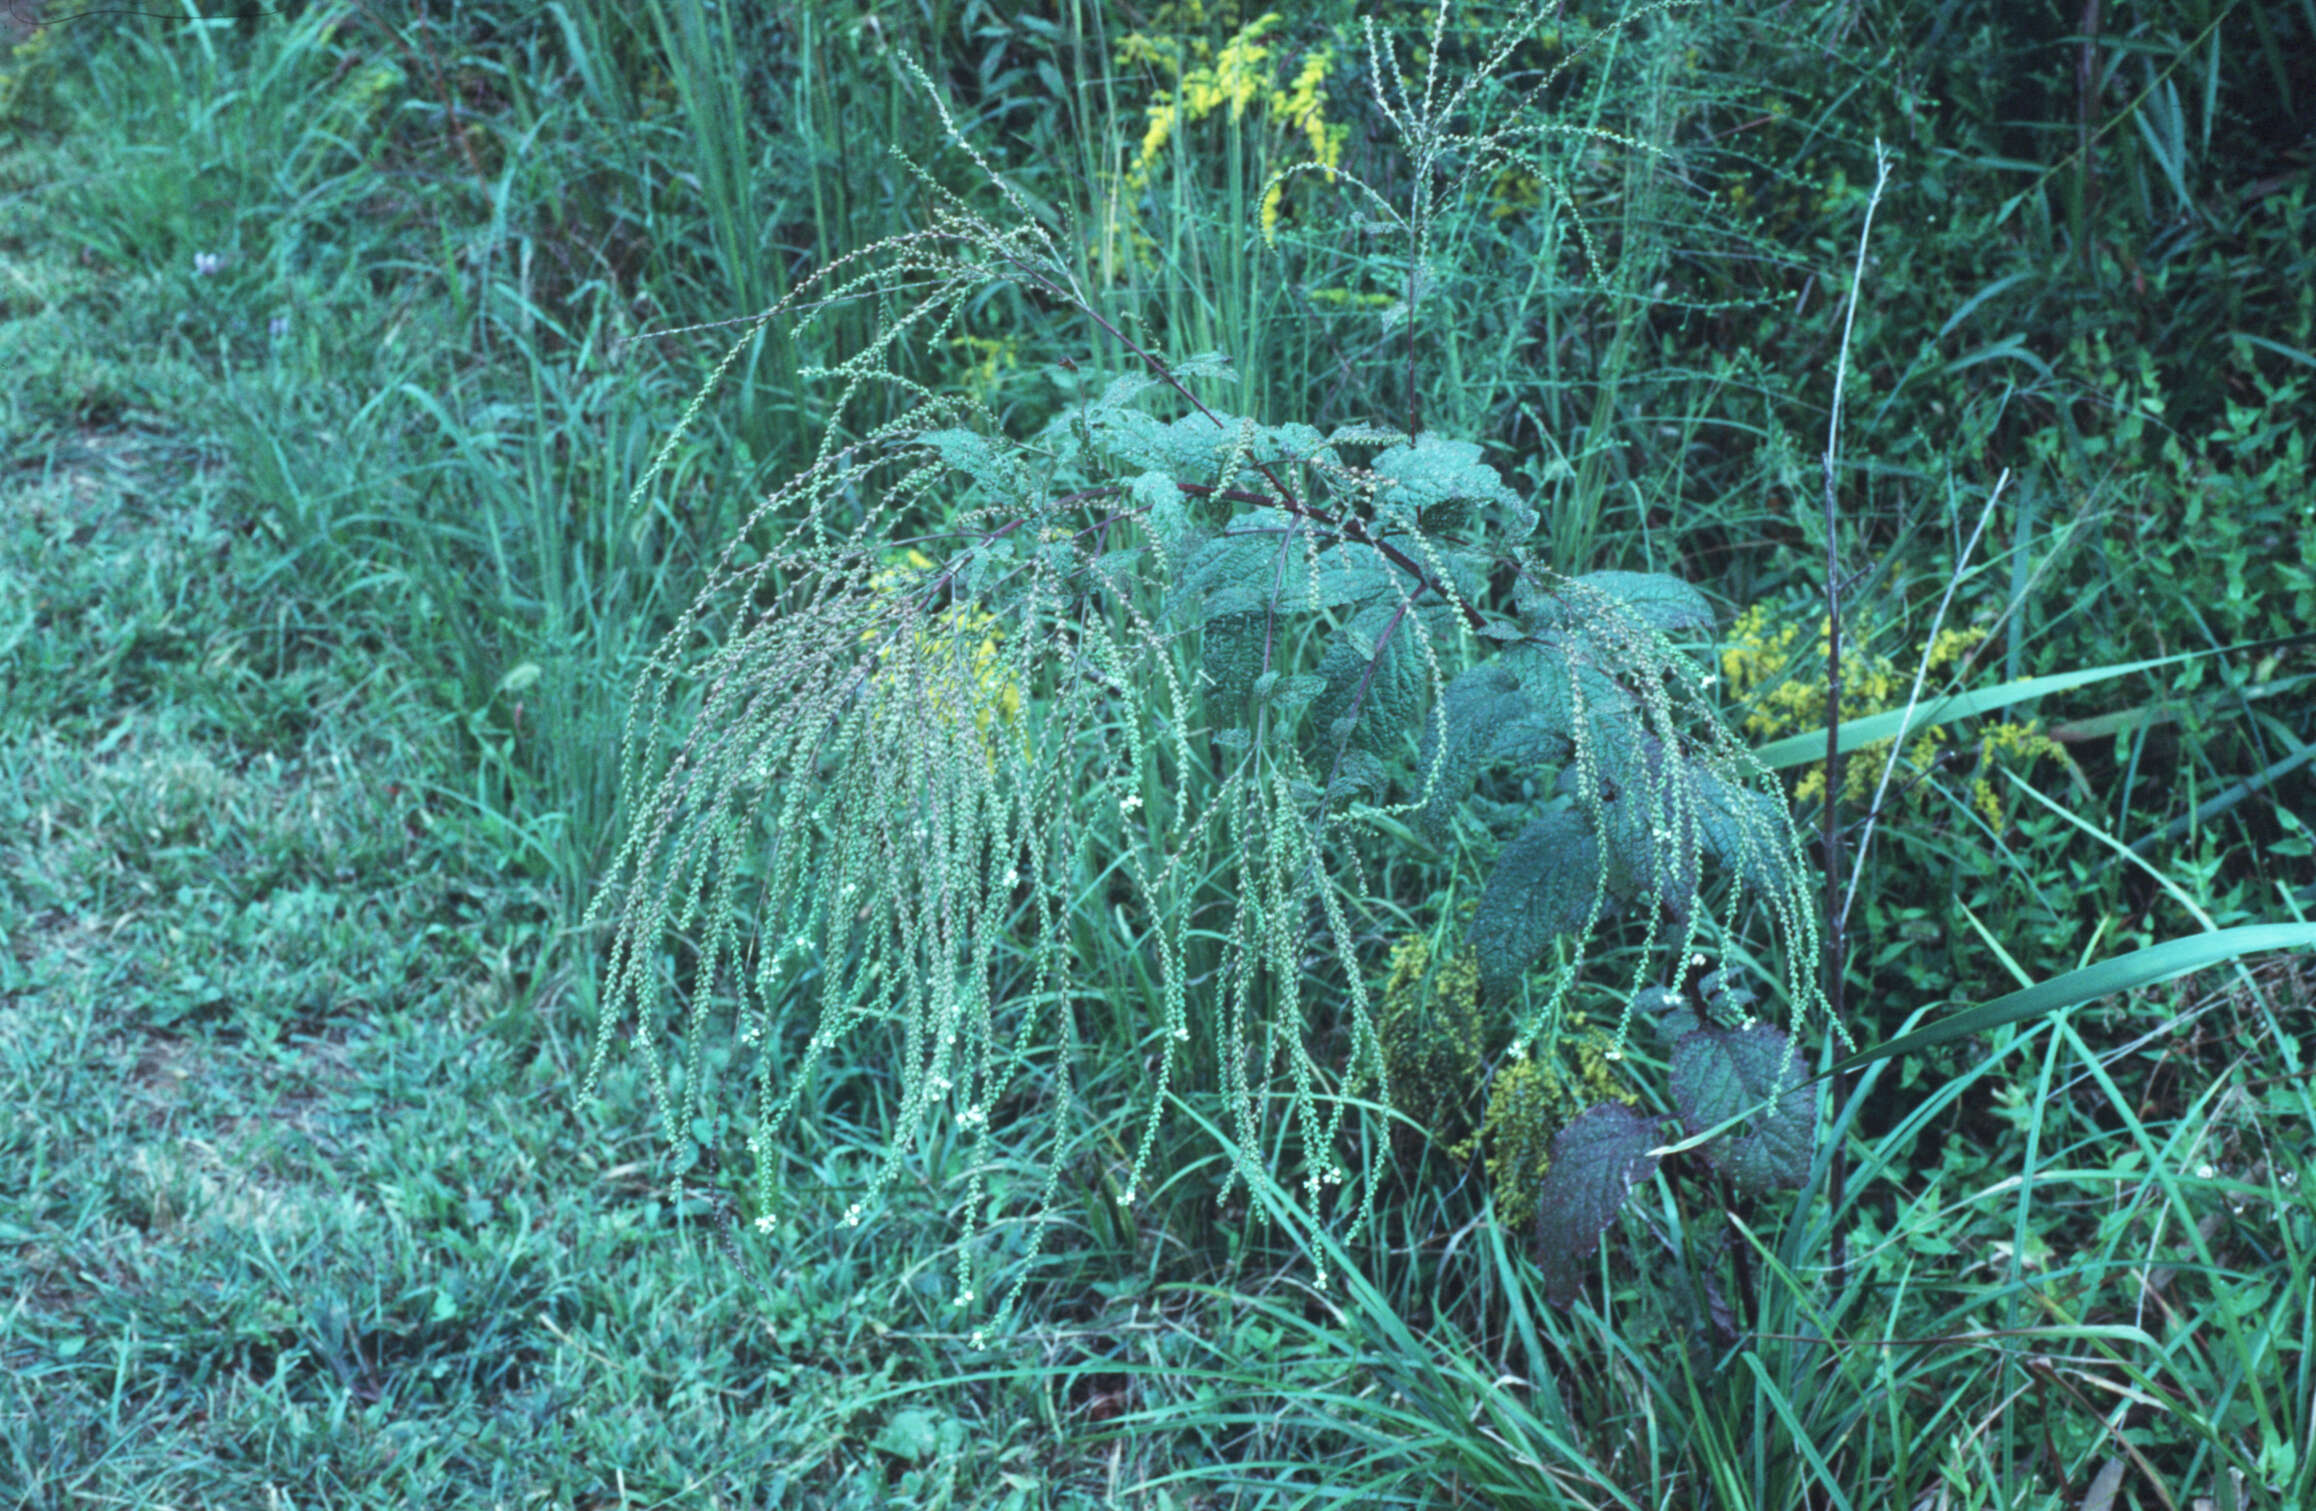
(352, 475)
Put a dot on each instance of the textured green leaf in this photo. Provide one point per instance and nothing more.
(1461, 739)
(1670, 812)
(1214, 365)
(1230, 654)
(1357, 774)
(1393, 697)
(1353, 573)
(1291, 692)
(2126, 972)
(1665, 604)
(1543, 886)
(1562, 677)
(1754, 1075)
(972, 455)
(1596, 1161)
(1168, 518)
(1366, 435)
(1236, 570)
(912, 1433)
(1439, 482)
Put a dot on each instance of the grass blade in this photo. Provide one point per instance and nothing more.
(2142, 967)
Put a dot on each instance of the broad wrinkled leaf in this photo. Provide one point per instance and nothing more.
(1230, 653)
(1461, 739)
(1386, 678)
(1169, 512)
(1352, 573)
(1358, 774)
(1596, 1161)
(1670, 813)
(1238, 569)
(1665, 604)
(1720, 1073)
(1288, 693)
(1215, 365)
(972, 455)
(1544, 886)
(1439, 481)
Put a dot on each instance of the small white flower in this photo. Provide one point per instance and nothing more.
(205, 263)
(765, 1224)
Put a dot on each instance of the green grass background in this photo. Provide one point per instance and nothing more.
(321, 590)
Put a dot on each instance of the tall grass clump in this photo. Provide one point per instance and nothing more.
(986, 757)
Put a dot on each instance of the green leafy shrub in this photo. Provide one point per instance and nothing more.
(1170, 678)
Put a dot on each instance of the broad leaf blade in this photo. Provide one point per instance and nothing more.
(1801, 749)
(1752, 1074)
(1596, 1161)
(1544, 885)
(2142, 967)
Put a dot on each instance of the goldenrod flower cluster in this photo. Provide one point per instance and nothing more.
(1247, 71)
(2024, 744)
(1434, 1044)
(1532, 1099)
(1762, 656)
(997, 695)
(990, 355)
(1436, 1048)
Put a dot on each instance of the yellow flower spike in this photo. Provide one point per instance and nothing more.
(997, 694)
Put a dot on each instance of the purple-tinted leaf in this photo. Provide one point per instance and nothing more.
(1596, 1161)
(1720, 1073)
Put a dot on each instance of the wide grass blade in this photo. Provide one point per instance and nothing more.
(2142, 967)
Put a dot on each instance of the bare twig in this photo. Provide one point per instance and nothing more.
(1914, 700)
(1834, 962)
(1833, 610)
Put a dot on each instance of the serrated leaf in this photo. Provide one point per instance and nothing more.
(1358, 774)
(1366, 435)
(1168, 517)
(912, 1433)
(1596, 1161)
(1289, 693)
(1755, 1075)
(970, 454)
(1437, 481)
(1656, 999)
(1125, 388)
(1385, 677)
(1245, 567)
(1117, 566)
(1671, 813)
(1230, 654)
(1351, 573)
(1215, 365)
(1543, 886)
(1460, 739)
(1665, 604)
